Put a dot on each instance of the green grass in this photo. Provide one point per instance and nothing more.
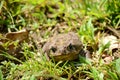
(80, 16)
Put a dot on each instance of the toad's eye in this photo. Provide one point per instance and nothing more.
(53, 49)
(70, 47)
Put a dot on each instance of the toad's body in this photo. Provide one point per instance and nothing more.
(63, 47)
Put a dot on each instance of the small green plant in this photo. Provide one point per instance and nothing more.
(33, 69)
(1, 74)
(86, 33)
(95, 74)
(116, 65)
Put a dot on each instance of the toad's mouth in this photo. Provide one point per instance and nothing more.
(71, 56)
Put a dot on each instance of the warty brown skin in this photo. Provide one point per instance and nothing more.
(63, 47)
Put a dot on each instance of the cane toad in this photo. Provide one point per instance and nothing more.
(63, 47)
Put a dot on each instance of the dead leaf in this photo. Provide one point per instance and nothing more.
(114, 43)
(20, 35)
(108, 59)
(13, 41)
(114, 48)
(117, 53)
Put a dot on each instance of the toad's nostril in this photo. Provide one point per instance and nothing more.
(53, 49)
